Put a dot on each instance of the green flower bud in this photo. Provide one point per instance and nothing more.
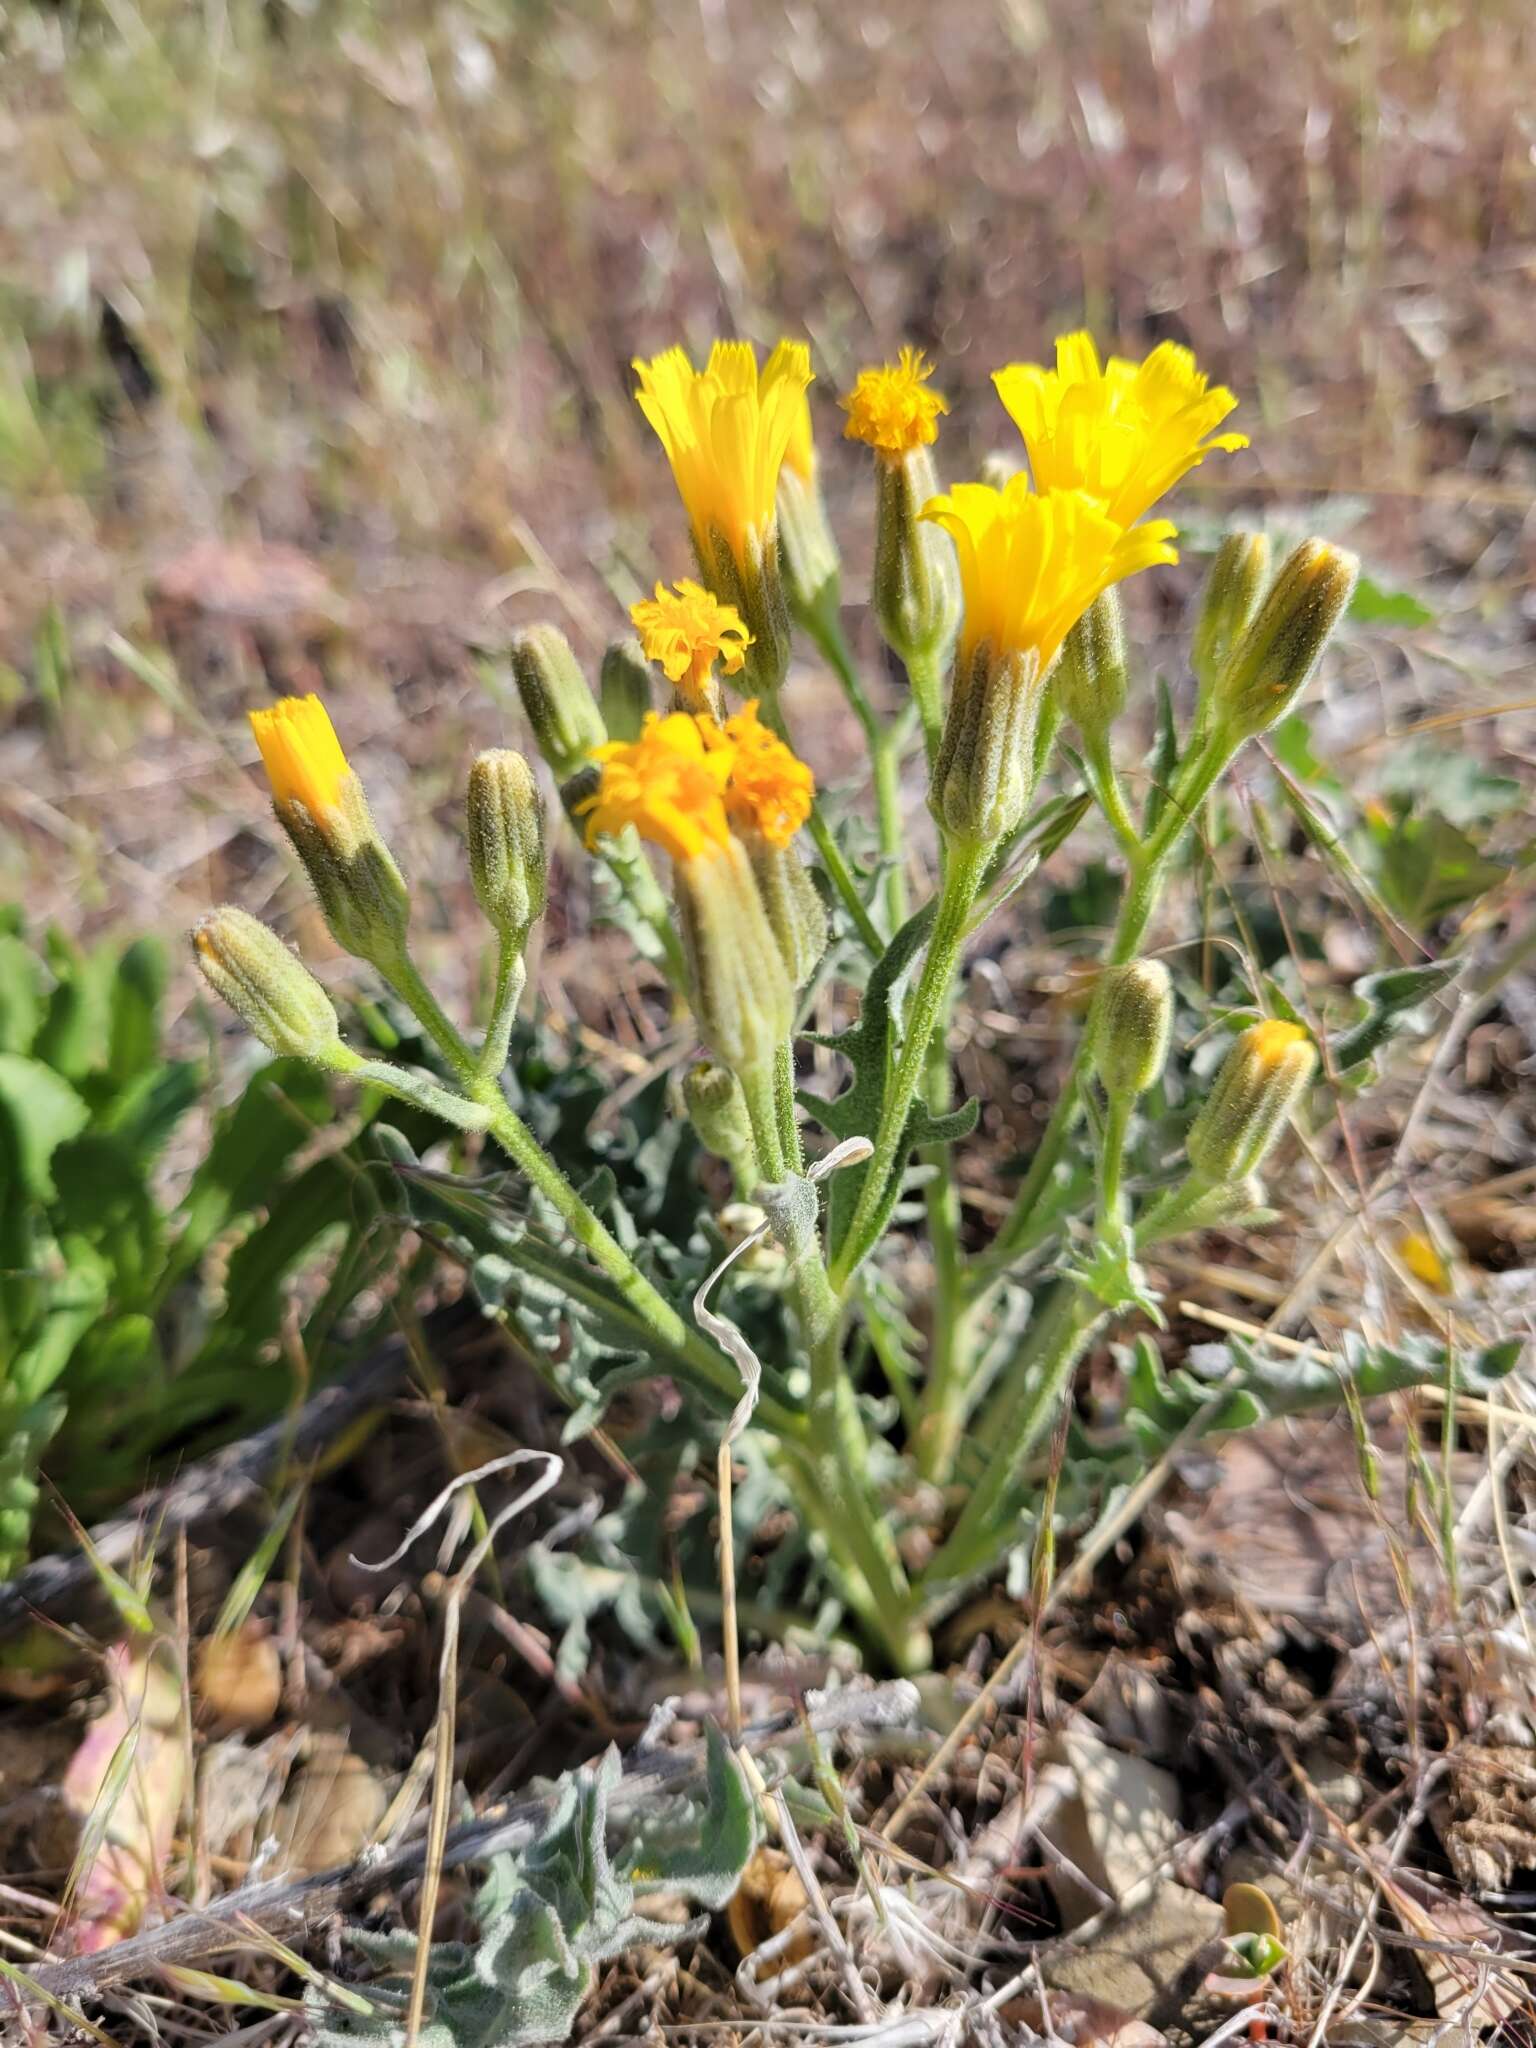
(1273, 661)
(1129, 1025)
(624, 689)
(916, 586)
(754, 583)
(1260, 1083)
(983, 773)
(1233, 592)
(717, 1110)
(737, 981)
(557, 699)
(794, 908)
(507, 863)
(1090, 679)
(807, 547)
(266, 985)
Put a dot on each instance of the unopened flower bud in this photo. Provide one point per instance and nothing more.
(1233, 592)
(624, 689)
(1259, 1084)
(737, 981)
(321, 805)
(1129, 1026)
(1090, 680)
(793, 907)
(807, 547)
(1273, 660)
(266, 985)
(557, 699)
(507, 863)
(984, 770)
(717, 1109)
(916, 586)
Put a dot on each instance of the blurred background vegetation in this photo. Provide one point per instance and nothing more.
(316, 323)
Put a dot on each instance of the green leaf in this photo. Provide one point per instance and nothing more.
(39, 1111)
(1390, 999)
(137, 991)
(1374, 605)
(555, 1911)
(283, 1104)
(21, 994)
(103, 1197)
(1164, 758)
(1425, 867)
(868, 1046)
(1291, 741)
(1452, 781)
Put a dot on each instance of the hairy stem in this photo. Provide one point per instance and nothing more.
(962, 876)
(1013, 1425)
(1147, 877)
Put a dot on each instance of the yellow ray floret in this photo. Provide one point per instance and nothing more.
(770, 789)
(1123, 432)
(726, 430)
(1271, 1041)
(669, 784)
(302, 755)
(1031, 563)
(800, 453)
(891, 407)
(687, 630)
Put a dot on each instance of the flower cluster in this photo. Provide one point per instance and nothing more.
(688, 778)
(999, 600)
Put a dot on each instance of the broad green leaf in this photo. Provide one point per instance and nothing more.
(137, 991)
(39, 1111)
(1425, 867)
(1374, 605)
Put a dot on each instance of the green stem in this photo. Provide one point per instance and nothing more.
(605, 1251)
(784, 1107)
(925, 672)
(759, 1087)
(1117, 1122)
(963, 871)
(1107, 792)
(1148, 874)
(941, 1413)
(511, 975)
(884, 741)
(405, 978)
(588, 1229)
(631, 869)
(1013, 1424)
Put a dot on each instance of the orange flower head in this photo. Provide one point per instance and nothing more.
(891, 409)
(770, 789)
(669, 784)
(687, 630)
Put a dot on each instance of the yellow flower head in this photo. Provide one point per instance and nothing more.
(726, 429)
(1124, 432)
(800, 455)
(891, 408)
(687, 630)
(669, 784)
(1271, 1042)
(770, 789)
(1031, 562)
(302, 755)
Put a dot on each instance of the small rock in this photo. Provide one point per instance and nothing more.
(237, 1680)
